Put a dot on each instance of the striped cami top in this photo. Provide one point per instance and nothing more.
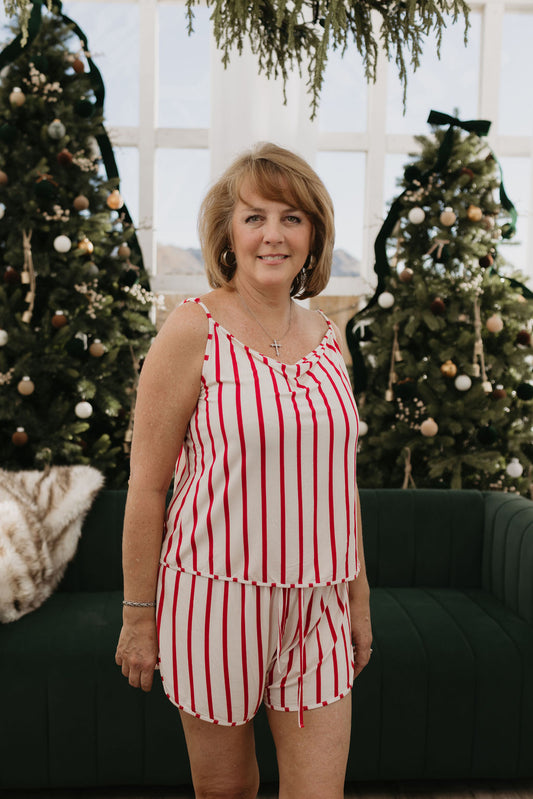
(264, 487)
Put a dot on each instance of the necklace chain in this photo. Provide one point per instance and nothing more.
(276, 342)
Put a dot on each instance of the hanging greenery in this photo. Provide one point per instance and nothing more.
(287, 34)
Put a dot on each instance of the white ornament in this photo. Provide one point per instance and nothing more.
(3, 338)
(514, 468)
(363, 428)
(487, 386)
(494, 324)
(56, 129)
(93, 147)
(83, 410)
(62, 243)
(386, 299)
(462, 382)
(416, 215)
(2, 210)
(429, 427)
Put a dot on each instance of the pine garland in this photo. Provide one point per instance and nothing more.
(22, 10)
(285, 34)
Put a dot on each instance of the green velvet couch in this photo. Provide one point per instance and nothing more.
(448, 692)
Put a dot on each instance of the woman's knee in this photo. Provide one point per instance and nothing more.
(238, 786)
(222, 759)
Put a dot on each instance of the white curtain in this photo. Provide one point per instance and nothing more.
(247, 108)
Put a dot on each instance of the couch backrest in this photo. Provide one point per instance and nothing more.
(419, 537)
(97, 565)
(423, 537)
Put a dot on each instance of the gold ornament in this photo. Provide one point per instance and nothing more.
(448, 369)
(115, 201)
(124, 251)
(17, 98)
(448, 217)
(97, 349)
(474, 213)
(86, 246)
(26, 386)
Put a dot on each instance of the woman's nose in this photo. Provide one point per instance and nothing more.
(272, 232)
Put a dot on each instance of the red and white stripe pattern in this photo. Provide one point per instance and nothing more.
(226, 647)
(265, 483)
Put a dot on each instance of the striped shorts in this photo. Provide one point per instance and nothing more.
(225, 647)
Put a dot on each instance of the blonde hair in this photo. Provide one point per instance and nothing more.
(279, 175)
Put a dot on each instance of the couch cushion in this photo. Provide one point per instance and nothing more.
(425, 537)
(447, 688)
(69, 710)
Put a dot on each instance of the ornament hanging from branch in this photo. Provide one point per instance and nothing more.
(478, 365)
(28, 276)
(395, 357)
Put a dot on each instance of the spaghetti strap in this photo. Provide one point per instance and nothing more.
(201, 304)
(324, 316)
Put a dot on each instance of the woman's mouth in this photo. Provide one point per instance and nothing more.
(272, 259)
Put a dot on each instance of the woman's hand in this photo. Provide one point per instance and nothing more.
(137, 650)
(361, 624)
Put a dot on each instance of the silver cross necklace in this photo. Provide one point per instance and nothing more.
(276, 343)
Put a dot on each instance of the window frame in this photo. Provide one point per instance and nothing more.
(374, 142)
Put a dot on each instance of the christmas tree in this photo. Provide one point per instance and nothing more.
(75, 306)
(442, 353)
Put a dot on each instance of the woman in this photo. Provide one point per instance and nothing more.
(254, 565)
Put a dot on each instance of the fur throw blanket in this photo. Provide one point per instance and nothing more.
(41, 515)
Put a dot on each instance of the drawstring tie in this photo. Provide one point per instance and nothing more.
(301, 648)
(282, 618)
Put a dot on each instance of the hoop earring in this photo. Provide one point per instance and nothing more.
(224, 259)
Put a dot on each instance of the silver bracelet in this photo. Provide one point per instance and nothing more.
(138, 604)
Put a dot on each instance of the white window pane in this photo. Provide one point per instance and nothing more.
(516, 88)
(344, 177)
(184, 65)
(449, 84)
(344, 93)
(517, 182)
(394, 168)
(127, 159)
(182, 181)
(112, 31)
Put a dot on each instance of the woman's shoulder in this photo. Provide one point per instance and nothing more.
(322, 322)
(184, 332)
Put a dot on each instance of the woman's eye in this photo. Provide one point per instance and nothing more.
(253, 218)
(293, 219)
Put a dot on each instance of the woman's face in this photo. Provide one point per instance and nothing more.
(271, 240)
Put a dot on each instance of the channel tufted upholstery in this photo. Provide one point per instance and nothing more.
(448, 691)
